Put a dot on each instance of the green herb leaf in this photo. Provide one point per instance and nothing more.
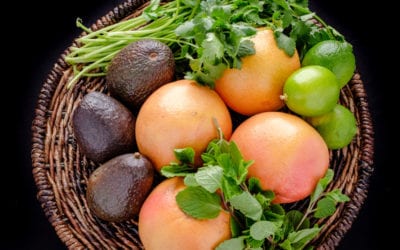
(337, 195)
(321, 186)
(262, 229)
(246, 48)
(173, 170)
(186, 29)
(185, 155)
(199, 203)
(285, 42)
(247, 204)
(286, 245)
(152, 11)
(231, 244)
(230, 188)
(294, 217)
(325, 207)
(302, 237)
(209, 178)
(240, 166)
(213, 49)
(253, 244)
(190, 180)
(302, 3)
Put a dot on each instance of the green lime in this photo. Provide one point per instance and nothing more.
(337, 127)
(336, 56)
(311, 91)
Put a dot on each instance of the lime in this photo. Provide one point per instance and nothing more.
(337, 127)
(336, 56)
(311, 91)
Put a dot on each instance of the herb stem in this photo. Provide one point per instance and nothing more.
(89, 68)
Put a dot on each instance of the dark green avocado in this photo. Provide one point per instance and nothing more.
(117, 189)
(103, 127)
(139, 69)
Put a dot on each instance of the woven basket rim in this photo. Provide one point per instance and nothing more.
(48, 198)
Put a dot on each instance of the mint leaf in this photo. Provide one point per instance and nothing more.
(275, 213)
(173, 170)
(286, 245)
(230, 188)
(337, 195)
(254, 185)
(262, 229)
(209, 177)
(253, 244)
(247, 204)
(233, 164)
(325, 207)
(321, 185)
(241, 166)
(190, 180)
(185, 155)
(302, 237)
(231, 244)
(199, 203)
(327, 178)
(294, 217)
(303, 3)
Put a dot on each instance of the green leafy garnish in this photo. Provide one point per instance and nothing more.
(206, 36)
(221, 183)
(199, 203)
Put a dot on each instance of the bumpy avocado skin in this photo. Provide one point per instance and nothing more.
(139, 69)
(117, 189)
(103, 127)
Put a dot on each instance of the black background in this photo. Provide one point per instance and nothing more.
(35, 34)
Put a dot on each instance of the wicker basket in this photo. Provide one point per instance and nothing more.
(61, 171)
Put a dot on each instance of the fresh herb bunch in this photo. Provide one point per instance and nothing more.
(207, 35)
(257, 223)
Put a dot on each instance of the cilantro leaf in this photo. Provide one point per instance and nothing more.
(199, 203)
(213, 49)
(186, 29)
(285, 42)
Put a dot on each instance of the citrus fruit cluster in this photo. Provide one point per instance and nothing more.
(313, 91)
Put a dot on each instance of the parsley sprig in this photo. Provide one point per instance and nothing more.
(206, 36)
(221, 183)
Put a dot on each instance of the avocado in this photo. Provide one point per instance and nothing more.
(117, 189)
(103, 127)
(138, 69)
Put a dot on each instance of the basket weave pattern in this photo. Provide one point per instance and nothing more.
(61, 172)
